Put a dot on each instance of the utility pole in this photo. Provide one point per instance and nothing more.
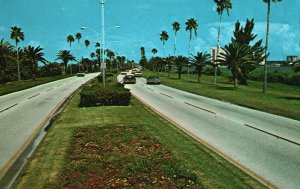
(103, 65)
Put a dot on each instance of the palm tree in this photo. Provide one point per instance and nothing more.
(70, 39)
(97, 44)
(17, 35)
(221, 6)
(6, 51)
(164, 37)
(265, 87)
(110, 54)
(200, 60)
(78, 36)
(33, 55)
(86, 43)
(154, 51)
(65, 56)
(176, 28)
(191, 25)
(179, 62)
(98, 54)
(235, 56)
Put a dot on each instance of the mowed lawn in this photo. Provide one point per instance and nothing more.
(280, 99)
(25, 84)
(125, 147)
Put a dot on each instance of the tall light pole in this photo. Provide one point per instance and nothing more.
(103, 65)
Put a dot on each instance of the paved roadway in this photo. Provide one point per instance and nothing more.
(267, 145)
(23, 113)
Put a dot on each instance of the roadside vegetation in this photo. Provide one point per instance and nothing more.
(124, 147)
(14, 86)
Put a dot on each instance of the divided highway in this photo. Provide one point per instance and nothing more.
(264, 144)
(23, 113)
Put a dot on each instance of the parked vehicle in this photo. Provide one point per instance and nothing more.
(153, 80)
(123, 73)
(129, 79)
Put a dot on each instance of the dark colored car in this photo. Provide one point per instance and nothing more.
(80, 74)
(129, 79)
(153, 80)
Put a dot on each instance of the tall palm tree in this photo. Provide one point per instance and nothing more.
(65, 56)
(92, 55)
(97, 44)
(6, 51)
(200, 60)
(191, 24)
(33, 55)
(221, 6)
(70, 39)
(17, 35)
(78, 36)
(265, 86)
(176, 28)
(164, 37)
(86, 43)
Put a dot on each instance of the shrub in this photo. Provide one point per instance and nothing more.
(108, 77)
(209, 70)
(93, 94)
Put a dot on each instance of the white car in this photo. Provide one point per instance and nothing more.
(138, 74)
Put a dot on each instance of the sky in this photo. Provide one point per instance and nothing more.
(47, 23)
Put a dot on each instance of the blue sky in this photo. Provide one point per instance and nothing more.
(48, 22)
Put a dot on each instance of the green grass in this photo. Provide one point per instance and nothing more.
(281, 99)
(96, 146)
(14, 86)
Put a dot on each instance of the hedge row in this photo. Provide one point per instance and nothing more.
(93, 94)
(277, 77)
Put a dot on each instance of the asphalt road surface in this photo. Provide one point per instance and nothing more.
(266, 144)
(23, 113)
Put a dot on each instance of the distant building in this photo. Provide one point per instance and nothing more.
(213, 53)
(291, 59)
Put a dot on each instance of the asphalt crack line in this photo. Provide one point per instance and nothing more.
(274, 135)
(166, 95)
(200, 108)
(59, 85)
(33, 96)
(150, 89)
(8, 108)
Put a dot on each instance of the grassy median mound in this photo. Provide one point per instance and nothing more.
(124, 147)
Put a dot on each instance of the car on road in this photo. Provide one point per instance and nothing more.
(153, 80)
(129, 79)
(123, 73)
(80, 74)
(138, 74)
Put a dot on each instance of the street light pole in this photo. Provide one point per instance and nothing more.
(103, 65)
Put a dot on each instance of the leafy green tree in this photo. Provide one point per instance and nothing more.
(6, 52)
(191, 25)
(221, 6)
(70, 39)
(179, 62)
(143, 61)
(265, 85)
(200, 60)
(176, 28)
(33, 55)
(65, 56)
(17, 35)
(164, 37)
(86, 43)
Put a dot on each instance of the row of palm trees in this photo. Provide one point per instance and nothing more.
(191, 26)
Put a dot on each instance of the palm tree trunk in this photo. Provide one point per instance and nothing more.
(175, 45)
(164, 49)
(218, 46)
(190, 42)
(265, 86)
(18, 63)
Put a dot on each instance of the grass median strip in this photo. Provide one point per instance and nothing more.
(125, 147)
